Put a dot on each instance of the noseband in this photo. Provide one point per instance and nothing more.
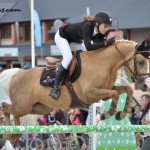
(135, 74)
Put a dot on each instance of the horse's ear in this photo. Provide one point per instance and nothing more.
(143, 43)
(143, 47)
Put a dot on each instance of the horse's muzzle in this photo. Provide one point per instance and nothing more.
(140, 85)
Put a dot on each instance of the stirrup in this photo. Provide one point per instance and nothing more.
(55, 93)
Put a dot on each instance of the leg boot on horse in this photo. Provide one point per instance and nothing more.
(60, 73)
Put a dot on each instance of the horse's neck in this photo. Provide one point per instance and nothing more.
(110, 57)
(122, 53)
(127, 49)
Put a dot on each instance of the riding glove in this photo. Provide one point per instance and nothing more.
(110, 41)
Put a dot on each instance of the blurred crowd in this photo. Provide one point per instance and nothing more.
(64, 117)
(141, 116)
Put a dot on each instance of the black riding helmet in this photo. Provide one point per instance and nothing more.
(102, 17)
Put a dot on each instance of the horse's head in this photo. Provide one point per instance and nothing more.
(138, 66)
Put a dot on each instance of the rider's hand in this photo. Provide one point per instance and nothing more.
(110, 41)
(58, 123)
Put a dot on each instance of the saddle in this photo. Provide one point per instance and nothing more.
(55, 62)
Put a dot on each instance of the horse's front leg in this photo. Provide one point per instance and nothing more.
(128, 105)
(104, 94)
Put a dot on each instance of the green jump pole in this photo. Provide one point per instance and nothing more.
(73, 129)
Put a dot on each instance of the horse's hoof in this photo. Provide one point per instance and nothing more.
(17, 135)
(103, 116)
(6, 136)
(12, 136)
(117, 116)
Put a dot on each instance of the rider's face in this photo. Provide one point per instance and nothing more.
(103, 28)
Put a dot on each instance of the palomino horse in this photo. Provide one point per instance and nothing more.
(96, 81)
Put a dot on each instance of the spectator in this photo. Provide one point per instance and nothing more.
(98, 115)
(85, 115)
(145, 120)
(136, 115)
(76, 118)
(51, 118)
(60, 116)
(42, 120)
(69, 113)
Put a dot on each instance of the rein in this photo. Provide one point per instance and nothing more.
(135, 74)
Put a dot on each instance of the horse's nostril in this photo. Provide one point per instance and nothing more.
(145, 87)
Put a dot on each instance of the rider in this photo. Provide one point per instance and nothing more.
(87, 35)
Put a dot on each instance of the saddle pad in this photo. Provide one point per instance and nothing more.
(47, 77)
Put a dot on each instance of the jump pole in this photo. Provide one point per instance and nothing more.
(73, 129)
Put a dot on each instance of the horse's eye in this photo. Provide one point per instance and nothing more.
(140, 62)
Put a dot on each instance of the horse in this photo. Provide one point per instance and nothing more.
(99, 68)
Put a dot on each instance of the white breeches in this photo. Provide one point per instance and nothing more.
(66, 49)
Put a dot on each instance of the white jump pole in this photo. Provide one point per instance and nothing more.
(32, 33)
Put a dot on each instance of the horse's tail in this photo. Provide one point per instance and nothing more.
(5, 79)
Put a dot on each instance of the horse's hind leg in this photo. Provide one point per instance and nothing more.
(7, 111)
(7, 123)
(7, 108)
(7, 119)
(128, 105)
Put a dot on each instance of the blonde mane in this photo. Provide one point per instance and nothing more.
(123, 40)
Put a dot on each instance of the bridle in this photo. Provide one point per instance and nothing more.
(135, 74)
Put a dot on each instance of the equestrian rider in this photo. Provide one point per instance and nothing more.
(89, 35)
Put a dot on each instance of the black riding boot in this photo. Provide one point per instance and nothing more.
(60, 73)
